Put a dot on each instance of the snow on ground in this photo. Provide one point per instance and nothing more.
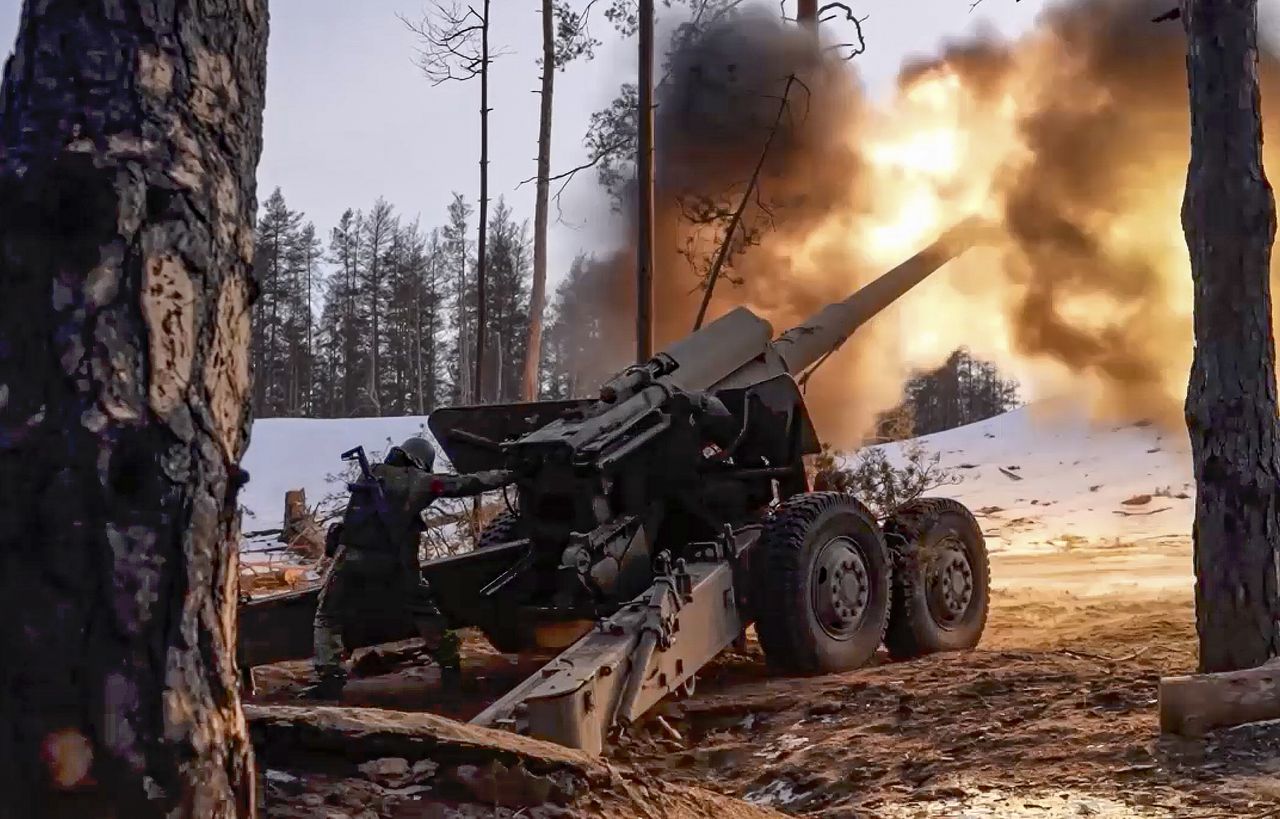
(1039, 479)
(1042, 478)
(305, 453)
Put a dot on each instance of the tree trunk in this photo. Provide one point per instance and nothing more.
(644, 176)
(807, 12)
(273, 354)
(417, 346)
(129, 142)
(1228, 216)
(431, 388)
(309, 380)
(375, 290)
(538, 296)
(481, 327)
(350, 375)
(466, 345)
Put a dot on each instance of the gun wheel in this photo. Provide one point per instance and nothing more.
(821, 585)
(942, 583)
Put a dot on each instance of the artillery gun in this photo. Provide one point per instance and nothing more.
(654, 523)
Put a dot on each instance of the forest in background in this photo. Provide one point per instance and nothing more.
(378, 318)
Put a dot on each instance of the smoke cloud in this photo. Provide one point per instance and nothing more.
(1072, 139)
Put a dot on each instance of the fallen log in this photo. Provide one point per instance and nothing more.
(1195, 704)
(280, 732)
(255, 580)
(469, 765)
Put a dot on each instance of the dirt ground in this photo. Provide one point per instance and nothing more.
(1053, 716)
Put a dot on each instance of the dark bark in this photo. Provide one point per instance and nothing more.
(645, 183)
(538, 294)
(1228, 216)
(309, 379)
(481, 248)
(420, 398)
(129, 139)
(735, 220)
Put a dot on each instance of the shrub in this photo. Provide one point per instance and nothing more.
(879, 483)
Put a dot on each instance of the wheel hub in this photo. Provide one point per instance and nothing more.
(950, 584)
(840, 587)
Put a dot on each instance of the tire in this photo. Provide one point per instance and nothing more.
(807, 544)
(502, 633)
(938, 548)
(501, 529)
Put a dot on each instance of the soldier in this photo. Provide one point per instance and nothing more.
(376, 560)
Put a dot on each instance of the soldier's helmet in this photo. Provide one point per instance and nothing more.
(415, 452)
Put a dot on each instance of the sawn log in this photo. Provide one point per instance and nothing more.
(1193, 705)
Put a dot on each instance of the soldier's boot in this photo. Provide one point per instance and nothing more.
(331, 673)
(444, 646)
(328, 687)
(450, 682)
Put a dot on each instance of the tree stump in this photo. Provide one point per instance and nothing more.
(300, 530)
(295, 514)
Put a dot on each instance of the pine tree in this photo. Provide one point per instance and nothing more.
(409, 271)
(311, 255)
(384, 313)
(1229, 218)
(430, 296)
(129, 142)
(287, 270)
(454, 46)
(342, 313)
(278, 231)
(564, 38)
(507, 313)
(457, 261)
(376, 239)
(577, 357)
(613, 133)
(962, 391)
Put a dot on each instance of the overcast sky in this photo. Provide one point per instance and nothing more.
(349, 118)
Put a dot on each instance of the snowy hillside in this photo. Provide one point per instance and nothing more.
(1039, 478)
(304, 453)
(1036, 480)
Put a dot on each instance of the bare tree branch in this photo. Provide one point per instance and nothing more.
(859, 45)
(591, 163)
(736, 220)
(450, 47)
(977, 3)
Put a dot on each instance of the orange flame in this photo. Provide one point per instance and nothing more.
(1074, 140)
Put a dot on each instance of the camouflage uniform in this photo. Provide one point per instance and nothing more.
(373, 570)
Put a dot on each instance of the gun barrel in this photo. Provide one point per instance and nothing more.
(804, 345)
